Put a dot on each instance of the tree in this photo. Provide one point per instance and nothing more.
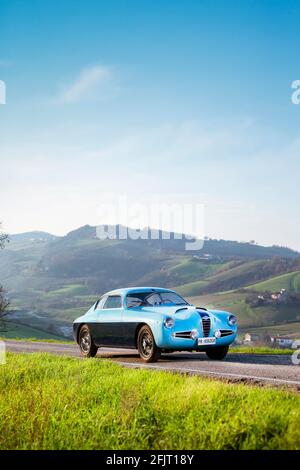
(3, 300)
(3, 238)
(3, 307)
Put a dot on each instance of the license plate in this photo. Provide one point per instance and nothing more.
(204, 341)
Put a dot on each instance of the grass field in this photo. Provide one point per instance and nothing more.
(226, 272)
(70, 289)
(49, 402)
(260, 350)
(289, 281)
(16, 330)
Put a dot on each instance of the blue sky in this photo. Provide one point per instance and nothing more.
(143, 98)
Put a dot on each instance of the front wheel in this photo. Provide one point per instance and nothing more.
(86, 343)
(147, 348)
(217, 353)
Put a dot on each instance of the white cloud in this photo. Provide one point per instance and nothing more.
(193, 142)
(95, 82)
(243, 180)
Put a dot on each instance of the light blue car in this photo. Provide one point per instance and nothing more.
(153, 320)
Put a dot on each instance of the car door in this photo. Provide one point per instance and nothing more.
(130, 319)
(108, 328)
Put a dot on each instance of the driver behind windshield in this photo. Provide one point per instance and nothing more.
(137, 299)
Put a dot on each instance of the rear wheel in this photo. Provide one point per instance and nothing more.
(217, 353)
(86, 344)
(147, 348)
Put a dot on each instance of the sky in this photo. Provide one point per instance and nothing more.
(173, 100)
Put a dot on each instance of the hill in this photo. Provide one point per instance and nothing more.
(241, 273)
(51, 280)
(289, 281)
(265, 317)
(23, 240)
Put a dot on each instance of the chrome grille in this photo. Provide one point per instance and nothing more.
(206, 326)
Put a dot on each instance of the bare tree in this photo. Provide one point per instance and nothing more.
(3, 300)
(3, 238)
(3, 308)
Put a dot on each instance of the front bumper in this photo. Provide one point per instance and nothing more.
(180, 340)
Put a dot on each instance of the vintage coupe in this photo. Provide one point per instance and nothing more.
(153, 320)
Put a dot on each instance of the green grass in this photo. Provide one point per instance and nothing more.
(239, 270)
(35, 340)
(16, 330)
(289, 281)
(189, 269)
(191, 288)
(49, 402)
(70, 289)
(224, 275)
(260, 350)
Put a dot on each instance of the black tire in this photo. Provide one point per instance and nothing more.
(86, 344)
(217, 353)
(147, 348)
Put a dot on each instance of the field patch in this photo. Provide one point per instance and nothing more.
(289, 281)
(49, 402)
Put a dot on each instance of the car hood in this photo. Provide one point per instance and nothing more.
(176, 311)
(185, 312)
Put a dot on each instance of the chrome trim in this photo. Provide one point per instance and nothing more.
(226, 333)
(182, 334)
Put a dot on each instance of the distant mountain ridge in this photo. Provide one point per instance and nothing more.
(31, 236)
(214, 247)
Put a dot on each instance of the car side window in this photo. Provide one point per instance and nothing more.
(113, 301)
(101, 302)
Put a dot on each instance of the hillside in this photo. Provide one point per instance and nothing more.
(235, 275)
(266, 317)
(275, 317)
(289, 281)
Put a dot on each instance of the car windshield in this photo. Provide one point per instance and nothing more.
(151, 299)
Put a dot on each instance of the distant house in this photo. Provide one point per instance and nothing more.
(250, 338)
(205, 257)
(270, 298)
(280, 296)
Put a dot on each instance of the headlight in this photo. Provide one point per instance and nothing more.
(169, 322)
(194, 334)
(232, 320)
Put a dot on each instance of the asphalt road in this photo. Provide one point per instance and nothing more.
(262, 369)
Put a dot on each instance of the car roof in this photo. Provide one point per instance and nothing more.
(128, 290)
